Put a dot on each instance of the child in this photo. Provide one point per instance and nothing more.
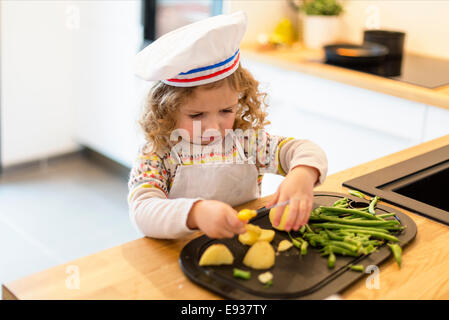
(196, 163)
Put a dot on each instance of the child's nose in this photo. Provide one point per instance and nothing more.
(213, 124)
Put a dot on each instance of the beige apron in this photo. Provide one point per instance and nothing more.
(232, 183)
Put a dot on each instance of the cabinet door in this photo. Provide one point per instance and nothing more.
(437, 123)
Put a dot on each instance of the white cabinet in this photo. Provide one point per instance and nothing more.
(36, 81)
(108, 97)
(352, 125)
(437, 123)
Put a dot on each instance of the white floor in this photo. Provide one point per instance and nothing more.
(60, 213)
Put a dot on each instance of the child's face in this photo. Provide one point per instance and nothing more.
(214, 109)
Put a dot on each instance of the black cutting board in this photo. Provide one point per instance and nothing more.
(294, 276)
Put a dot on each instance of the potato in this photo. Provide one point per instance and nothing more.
(215, 255)
(253, 228)
(265, 277)
(260, 256)
(254, 234)
(284, 245)
(283, 218)
(251, 235)
(266, 235)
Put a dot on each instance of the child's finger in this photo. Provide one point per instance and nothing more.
(293, 213)
(299, 218)
(274, 199)
(279, 211)
(305, 209)
(235, 225)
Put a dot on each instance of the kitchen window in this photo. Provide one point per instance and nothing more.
(163, 16)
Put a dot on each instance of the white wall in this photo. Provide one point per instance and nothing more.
(424, 21)
(263, 15)
(36, 81)
(67, 78)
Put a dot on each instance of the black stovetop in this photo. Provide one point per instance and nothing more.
(415, 69)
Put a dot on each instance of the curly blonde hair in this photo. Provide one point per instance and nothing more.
(163, 101)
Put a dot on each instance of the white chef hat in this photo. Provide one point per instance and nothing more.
(196, 54)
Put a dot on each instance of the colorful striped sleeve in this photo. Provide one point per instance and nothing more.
(148, 172)
(268, 152)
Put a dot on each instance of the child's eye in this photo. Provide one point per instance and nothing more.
(196, 115)
(227, 110)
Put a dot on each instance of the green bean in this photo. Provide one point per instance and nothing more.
(304, 246)
(352, 241)
(357, 194)
(362, 223)
(387, 215)
(334, 236)
(296, 241)
(309, 229)
(331, 260)
(357, 267)
(397, 253)
(242, 274)
(372, 205)
(377, 234)
(372, 242)
(340, 250)
(368, 249)
(343, 245)
(302, 230)
(352, 211)
(329, 225)
(342, 203)
(354, 217)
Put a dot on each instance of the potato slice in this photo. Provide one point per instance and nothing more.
(283, 218)
(215, 255)
(265, 277)
(253, 228)
(266, 235)
(251, 235)
(260, 256)
(284, 245)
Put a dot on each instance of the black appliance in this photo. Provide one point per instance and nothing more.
(424, 71)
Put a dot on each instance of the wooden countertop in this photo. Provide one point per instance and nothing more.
(297, 58)
(149, 269)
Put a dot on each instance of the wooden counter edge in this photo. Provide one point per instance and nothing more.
(7, 294)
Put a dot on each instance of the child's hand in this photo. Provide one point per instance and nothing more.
(298, 188)
(215, 218)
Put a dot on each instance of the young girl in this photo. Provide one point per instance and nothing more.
(197, 164)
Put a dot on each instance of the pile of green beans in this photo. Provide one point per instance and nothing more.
(340, 230)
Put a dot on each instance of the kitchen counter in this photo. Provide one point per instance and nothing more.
(149, 268)
(308, 61)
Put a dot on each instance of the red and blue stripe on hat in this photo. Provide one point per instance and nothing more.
(207, 74)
